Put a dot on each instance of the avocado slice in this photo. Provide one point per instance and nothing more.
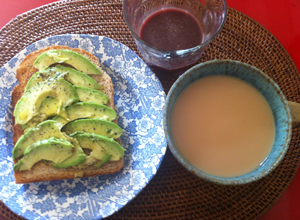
(33, 122)
(97, 157)
(49, 107)
(42, 131)
(91, 95)
(39, 77)
(104, 160)
(78, 78)
(110, 146)
(76, 158)
(71, 75)
(90, 110)
(70, 57)
(97, 126)
(52, 149)
(60, 121)
(29, 104)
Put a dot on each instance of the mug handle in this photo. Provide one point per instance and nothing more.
(295, 112)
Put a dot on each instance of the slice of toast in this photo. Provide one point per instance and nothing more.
(43, 171)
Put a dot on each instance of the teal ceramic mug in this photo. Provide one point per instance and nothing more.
(281, 110)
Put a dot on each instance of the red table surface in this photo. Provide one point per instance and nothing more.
(280, 17)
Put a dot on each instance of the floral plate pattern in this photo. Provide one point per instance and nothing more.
(139, 101)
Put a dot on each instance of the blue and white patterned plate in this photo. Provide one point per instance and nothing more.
(139, 99)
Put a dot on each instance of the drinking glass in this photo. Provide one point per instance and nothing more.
(210, 14)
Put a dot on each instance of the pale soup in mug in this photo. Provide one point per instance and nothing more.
(223, 126)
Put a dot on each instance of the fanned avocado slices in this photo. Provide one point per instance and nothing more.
(91, 95)
(73, 76)
(96, 126)
(90, 110)
(77, 157)
(98, 155)
(52, 149)
(69, 57)
(42, 131)
(48, 108)
(29, 104)
(62, 112)
(60, 121)
(103, 144)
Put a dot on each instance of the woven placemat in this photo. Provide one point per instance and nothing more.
(174, 193)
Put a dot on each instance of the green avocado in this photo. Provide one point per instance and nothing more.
(70, 57)
(52, 149)
(29, 104)
(33, 122)
(42, 131)
(78, 78)
(60, 121)
(76, 158)
(49, 107)
(97, 126)
(97, 157)
(39, 77)
(91, 95)
(109, 145)
(90, 110)
(73, 76)
(104, 160)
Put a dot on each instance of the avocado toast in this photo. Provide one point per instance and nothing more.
(64, 120)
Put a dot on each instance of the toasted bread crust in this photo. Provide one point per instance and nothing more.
(43, 171)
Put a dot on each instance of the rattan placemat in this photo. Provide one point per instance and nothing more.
(174, 193)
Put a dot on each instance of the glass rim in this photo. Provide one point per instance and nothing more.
(224, 13)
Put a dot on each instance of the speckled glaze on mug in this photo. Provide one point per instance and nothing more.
(260, 81)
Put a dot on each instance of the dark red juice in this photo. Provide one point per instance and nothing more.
(166, 74)
(171, 29)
